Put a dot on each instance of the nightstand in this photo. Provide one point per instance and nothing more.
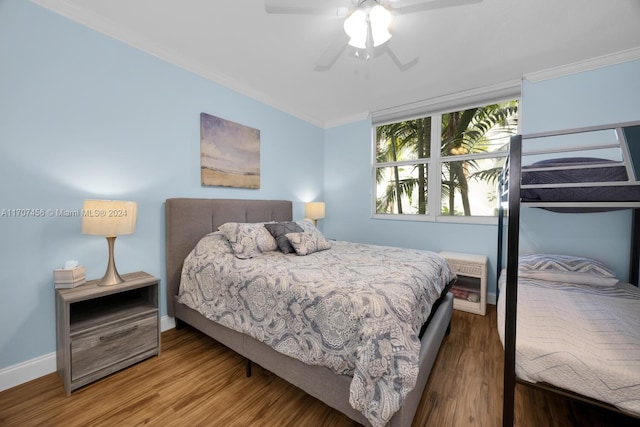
(103, 329)
(470, 290)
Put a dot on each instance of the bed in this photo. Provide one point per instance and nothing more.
(578, 329)
(550, 170)
(404, 358)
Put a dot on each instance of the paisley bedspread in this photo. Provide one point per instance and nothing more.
(354, 308)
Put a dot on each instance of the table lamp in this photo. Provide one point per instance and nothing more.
(314, 211)
(109, 218)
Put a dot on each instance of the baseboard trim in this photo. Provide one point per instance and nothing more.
(27, 371)
(491, 298)
(167, 323)
(37, 367)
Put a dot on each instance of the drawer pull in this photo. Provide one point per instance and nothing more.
(120, 334)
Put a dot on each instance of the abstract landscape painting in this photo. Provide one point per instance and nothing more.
(229, 153)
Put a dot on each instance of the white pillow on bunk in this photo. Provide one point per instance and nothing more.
(566, 269)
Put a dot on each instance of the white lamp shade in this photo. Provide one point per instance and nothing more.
(380, 19)
(108, 217)
(356, 28)
(314, 210)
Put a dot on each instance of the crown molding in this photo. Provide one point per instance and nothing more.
(347, 120)
(586, 65)
(449, 102)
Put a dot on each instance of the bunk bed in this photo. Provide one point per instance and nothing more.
(559, 178)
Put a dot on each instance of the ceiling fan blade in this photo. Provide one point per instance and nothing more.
(403, 63)
(292, 7)
(331, 53)
(402, 7)
(401, 57)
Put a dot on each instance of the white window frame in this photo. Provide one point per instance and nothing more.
(435, 109)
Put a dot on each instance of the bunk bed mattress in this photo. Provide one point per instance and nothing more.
(612, 174)
(577, 337)
(356, 309)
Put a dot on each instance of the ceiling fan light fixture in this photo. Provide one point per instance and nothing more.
(368, 26)
(356, 28)
(380, 20)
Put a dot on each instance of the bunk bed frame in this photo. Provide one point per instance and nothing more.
(510, 187)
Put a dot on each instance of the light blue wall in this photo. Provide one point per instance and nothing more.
(85, 116)
(597, 97)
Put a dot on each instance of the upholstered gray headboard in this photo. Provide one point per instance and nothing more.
(188, 220)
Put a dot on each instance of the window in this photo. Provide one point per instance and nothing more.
(444, 165)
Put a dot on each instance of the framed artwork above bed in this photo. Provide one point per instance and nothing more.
(229, 153)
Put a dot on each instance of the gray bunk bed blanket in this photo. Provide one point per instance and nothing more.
(611, 172)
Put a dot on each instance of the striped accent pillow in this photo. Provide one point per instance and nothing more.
(566, 269)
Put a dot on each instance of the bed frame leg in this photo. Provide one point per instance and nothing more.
(448, 331)
(180, 324)
(248, 368)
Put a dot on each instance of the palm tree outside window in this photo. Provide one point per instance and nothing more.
(454, 157)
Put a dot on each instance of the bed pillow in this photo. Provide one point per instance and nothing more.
(214, 243)
(307, 225)
(248, 240)
(306, 243)
(279, 232)
(567, 269)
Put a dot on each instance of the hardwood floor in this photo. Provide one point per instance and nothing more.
(198, 382)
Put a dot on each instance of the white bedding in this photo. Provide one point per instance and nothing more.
(579, 337)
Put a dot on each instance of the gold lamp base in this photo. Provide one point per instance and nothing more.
(111, 276)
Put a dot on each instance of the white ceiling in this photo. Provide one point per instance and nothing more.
(272, 57)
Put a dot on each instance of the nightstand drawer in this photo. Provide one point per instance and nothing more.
(98, 348)
(467, 269)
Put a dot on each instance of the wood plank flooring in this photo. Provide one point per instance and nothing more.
(198, 382)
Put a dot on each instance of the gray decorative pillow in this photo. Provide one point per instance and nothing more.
(306, 243)
(279, 231)
(248, 240)
(307, 225)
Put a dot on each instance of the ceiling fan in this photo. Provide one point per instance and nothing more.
(366, 24)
